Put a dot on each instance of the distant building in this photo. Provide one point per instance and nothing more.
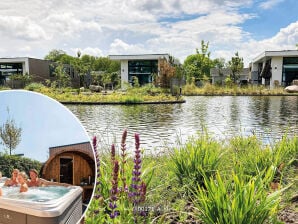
(275, 68)
(142, 66)
(39, 69)
(218, 76)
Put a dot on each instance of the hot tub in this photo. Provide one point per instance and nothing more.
(41, 205)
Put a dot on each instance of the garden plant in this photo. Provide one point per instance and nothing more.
(205, 180)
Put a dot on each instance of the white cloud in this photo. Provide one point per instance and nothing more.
(25, 49)
(67, 24)
(270, 4)
(88, 51)
(21, 28)
(285, 39)
(120, 47)
(102, 27)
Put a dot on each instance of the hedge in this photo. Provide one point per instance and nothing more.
(10, 162)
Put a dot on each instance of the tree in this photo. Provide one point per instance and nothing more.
(62, 77)
(106, 79)
(198, 65)
(10, 135)
(55, 55)
(236, 65)
(167, 72)
(219, 63)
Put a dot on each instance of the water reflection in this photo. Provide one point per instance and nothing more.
(224, 116)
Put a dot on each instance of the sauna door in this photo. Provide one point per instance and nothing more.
(66, 170)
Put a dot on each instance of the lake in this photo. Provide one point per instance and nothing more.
(165, 125)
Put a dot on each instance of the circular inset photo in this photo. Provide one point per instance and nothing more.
(47, 165)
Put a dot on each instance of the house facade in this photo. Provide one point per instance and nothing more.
(142, 66)
(39, 69)
(218, 76)
(275, 68)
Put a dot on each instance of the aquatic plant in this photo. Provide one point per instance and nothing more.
(236, 201)
(198, 155)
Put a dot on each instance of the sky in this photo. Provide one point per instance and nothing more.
(103, 27)
(44, 122)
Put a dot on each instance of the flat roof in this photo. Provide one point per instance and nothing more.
(139, 57)
(19, 59)
(283, 53)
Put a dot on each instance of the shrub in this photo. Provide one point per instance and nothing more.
(34, 86)
(10, 162)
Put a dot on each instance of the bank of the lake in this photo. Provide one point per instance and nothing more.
(235, 90)
(145, 94)
(149, 94)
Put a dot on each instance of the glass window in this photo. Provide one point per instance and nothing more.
(290, 60)
(8, 69)
(143, 69)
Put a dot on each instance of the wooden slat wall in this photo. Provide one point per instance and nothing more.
(81, 168)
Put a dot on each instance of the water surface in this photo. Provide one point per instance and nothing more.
(35, 194)
(166, 124)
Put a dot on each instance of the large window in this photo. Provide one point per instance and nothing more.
(8, 69)
(290, 70)
(143, 70)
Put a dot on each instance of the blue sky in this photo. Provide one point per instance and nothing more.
(271, 19)
(45, 123)
(102, 27)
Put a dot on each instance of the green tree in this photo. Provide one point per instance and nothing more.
(219, 63)
(106, 64)
(236, 65)
(106, 79)
(10, 135)
(62, 77)
(55, 55)
(198, 65)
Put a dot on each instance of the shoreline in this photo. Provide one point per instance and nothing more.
(122, 103)
(241, 94)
